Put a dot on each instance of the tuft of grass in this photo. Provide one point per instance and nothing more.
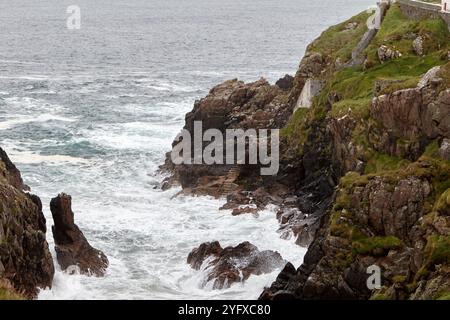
(399, 279)
(380, 162)
(359, 108)
(443, 203)
(371, 245)
(296, 120)
(443, 296)
(401, 83)
(444, 73)
(356, 84)
(437, 250)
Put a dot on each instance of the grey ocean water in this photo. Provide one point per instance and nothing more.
(91, 112)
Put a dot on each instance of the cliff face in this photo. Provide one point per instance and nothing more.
(387, 123)
(364, 171)
(25, 260)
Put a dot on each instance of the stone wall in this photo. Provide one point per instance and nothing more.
(418, 9)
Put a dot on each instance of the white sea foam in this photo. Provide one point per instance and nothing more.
(28, 106)
(29, 157)
(148, 238)
(19, 120)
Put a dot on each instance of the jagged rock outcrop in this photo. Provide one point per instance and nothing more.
(385, 221)
(11, 173)
(411, 118)
(25, 260)
(72, 247)
(230, 105)
(294, 223)
(226, 266)
(348, 155)
(8, 292)
(241, 202)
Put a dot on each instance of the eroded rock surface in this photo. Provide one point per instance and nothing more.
(72, 247)
(230, 105)
(411, 118)
(25, 260)
(385, 221)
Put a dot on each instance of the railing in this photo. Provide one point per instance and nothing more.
(434, 7)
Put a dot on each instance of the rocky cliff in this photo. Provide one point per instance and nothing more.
(387, 123)
(26, 264)
(364, 171)
(25, 260)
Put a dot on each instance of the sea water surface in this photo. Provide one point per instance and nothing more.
(91, 112)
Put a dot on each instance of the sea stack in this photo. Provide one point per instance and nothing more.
(71, 246)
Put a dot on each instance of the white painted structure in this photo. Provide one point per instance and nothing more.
(446, 5)
(311, 89)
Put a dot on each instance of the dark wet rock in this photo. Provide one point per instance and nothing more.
(294, 223)
(286, 82)
(278, 286)
(242, 202)
(197, 256)
(72, 248)
(233, 264)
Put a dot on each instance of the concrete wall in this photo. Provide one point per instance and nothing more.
(417, 10)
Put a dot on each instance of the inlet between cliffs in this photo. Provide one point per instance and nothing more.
(93, 113)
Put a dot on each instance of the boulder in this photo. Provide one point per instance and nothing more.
(444, 150)
(385, 53)
(242, 202)
(72, 248)
(285, 83)
(418, 46)
(352, 25)
(233, 264)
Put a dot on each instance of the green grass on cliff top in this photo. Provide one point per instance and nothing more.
(339, 41)
(356, 85)
(399, 32)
